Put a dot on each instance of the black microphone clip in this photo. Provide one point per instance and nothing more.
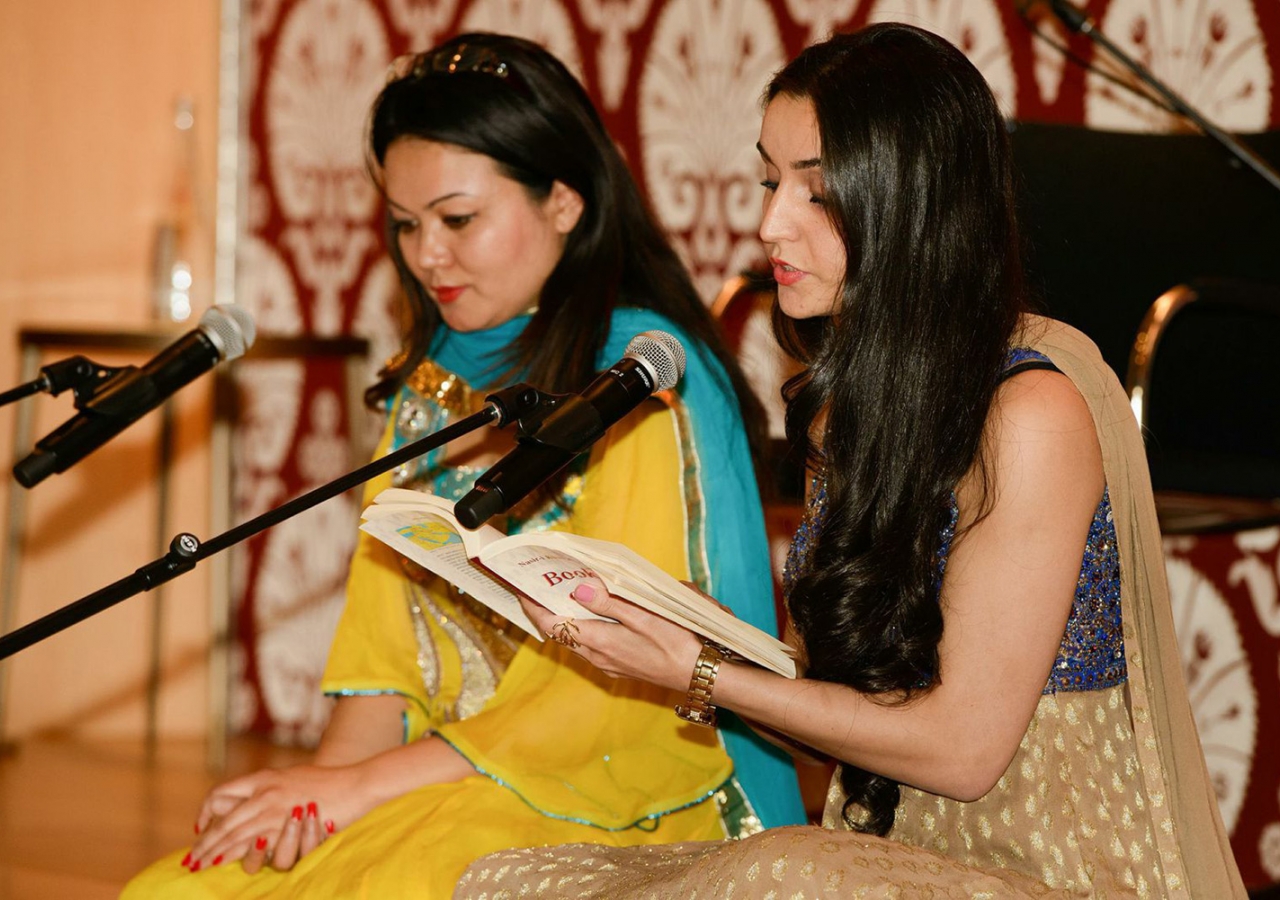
(523, 404)
(545, 448)
(109, 400)
(566, 425)
(81, 375)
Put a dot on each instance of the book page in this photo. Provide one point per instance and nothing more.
(538, 569)
(712, 623)
(428, 539)
(547, 566)
(396, 499)
(634, 578)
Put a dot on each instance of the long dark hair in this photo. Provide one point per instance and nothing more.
(918, 181)
(514, 102)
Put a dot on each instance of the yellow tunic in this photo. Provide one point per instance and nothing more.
(563, 753)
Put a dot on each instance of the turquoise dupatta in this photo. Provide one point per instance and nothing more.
(728, 527)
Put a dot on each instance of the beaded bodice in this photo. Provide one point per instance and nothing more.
(1091, 654)
(433, 398)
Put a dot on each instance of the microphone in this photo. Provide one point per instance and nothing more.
(654, 361)
(225, 332)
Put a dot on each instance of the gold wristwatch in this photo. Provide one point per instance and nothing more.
(697, 706)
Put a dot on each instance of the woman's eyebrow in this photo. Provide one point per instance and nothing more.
(433, 203)
(799, 165)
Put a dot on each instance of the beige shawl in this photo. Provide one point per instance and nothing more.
(1192, 839)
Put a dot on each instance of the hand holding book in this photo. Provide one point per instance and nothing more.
(547, 566)
(627, 641)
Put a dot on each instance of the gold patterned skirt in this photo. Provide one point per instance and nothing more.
(1069, 818)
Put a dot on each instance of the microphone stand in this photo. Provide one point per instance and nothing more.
(186, 550)
(79, 373)
(1078, 21)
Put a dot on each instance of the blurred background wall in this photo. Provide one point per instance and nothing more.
(89, 156)
(87, 166)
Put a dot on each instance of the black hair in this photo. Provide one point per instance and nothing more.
(918, 182)
(511, 100)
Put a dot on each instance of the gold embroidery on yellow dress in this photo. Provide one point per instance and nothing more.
(451, 393)
(484, 641)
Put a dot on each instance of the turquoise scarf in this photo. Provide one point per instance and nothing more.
(737, 548)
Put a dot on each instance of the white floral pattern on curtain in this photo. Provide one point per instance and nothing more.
(678, 84)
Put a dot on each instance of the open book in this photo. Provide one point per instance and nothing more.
(495, 568)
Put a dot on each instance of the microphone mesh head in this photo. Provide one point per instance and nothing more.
(662, 355)
(230, 328)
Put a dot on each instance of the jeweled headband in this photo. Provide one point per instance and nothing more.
(448, 61)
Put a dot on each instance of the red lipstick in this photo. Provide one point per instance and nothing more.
(447, 294)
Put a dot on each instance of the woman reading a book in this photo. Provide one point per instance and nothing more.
(978, 588)
(526, 254)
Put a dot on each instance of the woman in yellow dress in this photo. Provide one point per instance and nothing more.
(526, 254)
(978, 586)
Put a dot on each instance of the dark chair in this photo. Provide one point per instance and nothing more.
(1204, 383)
(1115, 218)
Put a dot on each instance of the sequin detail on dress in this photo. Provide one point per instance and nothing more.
(1018, 355)
(1091, 655)
(815, 513)
(434, 398)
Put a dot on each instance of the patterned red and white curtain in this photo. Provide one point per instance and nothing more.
(678, 83)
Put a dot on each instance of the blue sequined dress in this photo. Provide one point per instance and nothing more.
(1066, 807)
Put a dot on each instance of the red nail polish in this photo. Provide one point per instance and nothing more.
(328, 825)
(196, 826)
(195, 866)
(261, 844)
(217, 859)
(186, 860)
(297, 813)
(312, 810)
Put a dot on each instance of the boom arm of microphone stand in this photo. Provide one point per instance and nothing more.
(186, 550)
(79, 373)
(1077, 20)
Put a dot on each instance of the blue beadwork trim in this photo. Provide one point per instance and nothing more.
(802, 541)
(1019, 355)
(1091, 655)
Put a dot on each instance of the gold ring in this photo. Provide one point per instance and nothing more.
(565, 633)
